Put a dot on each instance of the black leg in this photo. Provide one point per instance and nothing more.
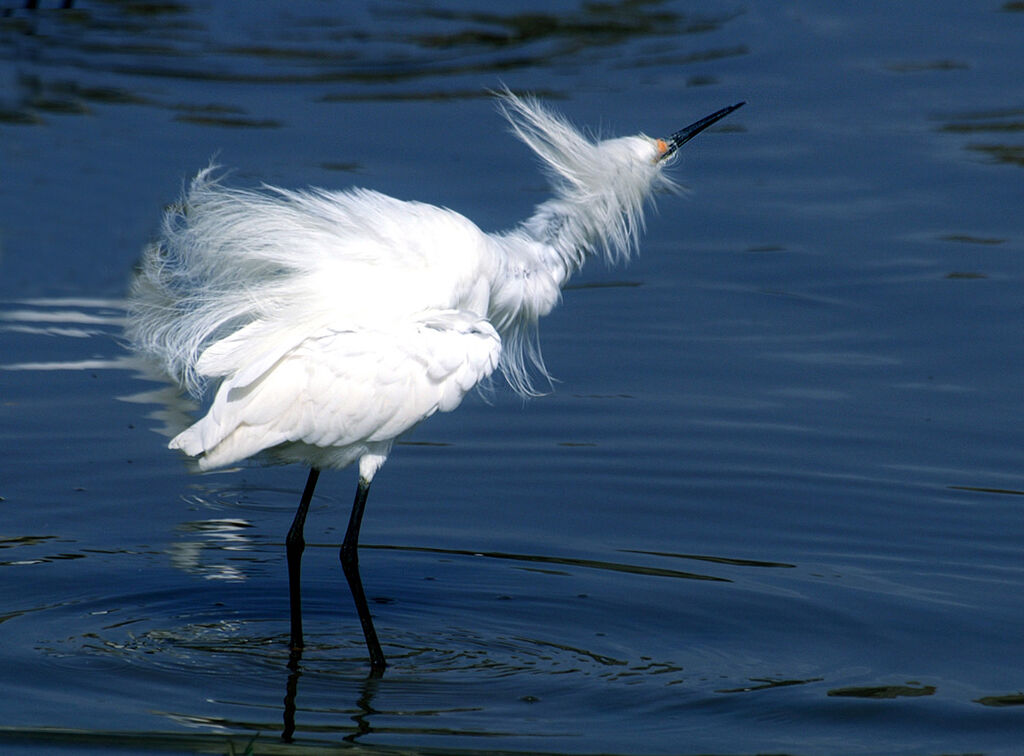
(350, 564)
(295, 544)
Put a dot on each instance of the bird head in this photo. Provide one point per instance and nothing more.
(575, 161)
(646, 151)
(600, 186)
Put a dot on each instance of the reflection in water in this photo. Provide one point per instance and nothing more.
(987, 131)
(382, 44)
(767, 683)
(204, 557)
(636, 569)
(912, 690)
(74, 318)
(85, 319)
(30, 542)
(238, 650)
(1012, 699)
(714, 559)
(564, 561)
(363, 706)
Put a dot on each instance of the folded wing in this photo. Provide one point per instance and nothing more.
(329, 398)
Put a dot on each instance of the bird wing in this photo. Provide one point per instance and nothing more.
(342, 388)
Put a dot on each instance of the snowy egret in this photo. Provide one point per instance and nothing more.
(333, 322)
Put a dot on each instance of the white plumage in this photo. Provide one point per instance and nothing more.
(338, 395)
(333, 322)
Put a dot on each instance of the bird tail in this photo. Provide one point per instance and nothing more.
(206, 277)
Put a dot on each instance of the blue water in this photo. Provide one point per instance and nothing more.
(772, 504)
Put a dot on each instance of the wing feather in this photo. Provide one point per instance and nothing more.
(330, 396)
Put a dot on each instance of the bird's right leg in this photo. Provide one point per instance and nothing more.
(350, 565)
(295, 544)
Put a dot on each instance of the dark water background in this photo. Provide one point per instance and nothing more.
(774, 503)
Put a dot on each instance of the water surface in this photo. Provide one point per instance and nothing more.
(772, 504)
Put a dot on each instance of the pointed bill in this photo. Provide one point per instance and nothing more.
(683, 136)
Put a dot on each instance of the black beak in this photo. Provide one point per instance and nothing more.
(683, 136)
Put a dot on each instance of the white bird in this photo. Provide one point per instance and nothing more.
(331, 323)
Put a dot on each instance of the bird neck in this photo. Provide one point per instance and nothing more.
(530, 273)
(537, 258)
(561, 239)
(531, 264)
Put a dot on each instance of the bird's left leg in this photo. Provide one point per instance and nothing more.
(350, 564)
(295, 544)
